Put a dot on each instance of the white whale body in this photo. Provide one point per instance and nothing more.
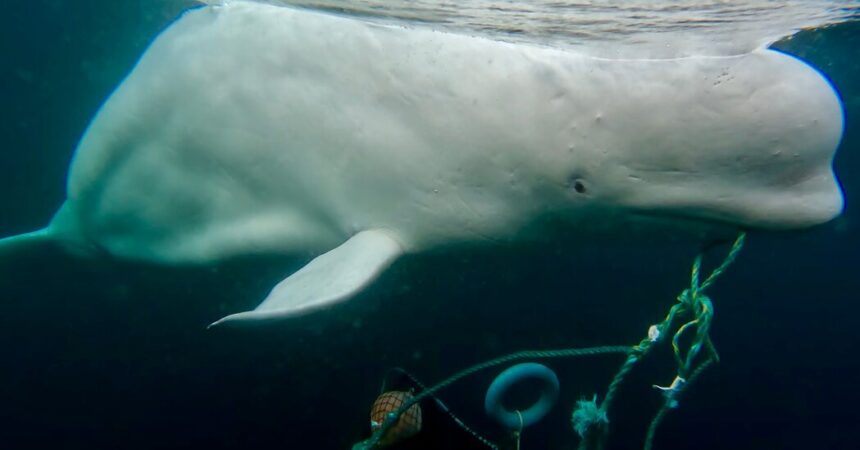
(250, 128)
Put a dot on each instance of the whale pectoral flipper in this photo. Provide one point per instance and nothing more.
(330, 278)
(22, 243)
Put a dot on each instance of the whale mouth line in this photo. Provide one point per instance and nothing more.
(687, 220)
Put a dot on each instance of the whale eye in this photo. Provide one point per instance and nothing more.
(577, 184)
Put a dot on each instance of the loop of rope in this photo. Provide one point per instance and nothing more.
(695, 305)
(701, 307)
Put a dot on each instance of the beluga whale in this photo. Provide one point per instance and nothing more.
(249, 128)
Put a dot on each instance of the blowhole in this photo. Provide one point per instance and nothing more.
(579, 187)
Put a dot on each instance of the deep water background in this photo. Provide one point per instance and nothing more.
(115, 355)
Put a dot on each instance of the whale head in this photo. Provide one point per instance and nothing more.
(746, 142)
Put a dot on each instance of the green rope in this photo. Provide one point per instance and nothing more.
(670, 403)
(590, 420)
(693, 303)
(394, 416)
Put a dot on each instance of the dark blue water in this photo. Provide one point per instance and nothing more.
(115, 355)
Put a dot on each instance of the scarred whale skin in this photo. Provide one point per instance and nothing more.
(249, 128)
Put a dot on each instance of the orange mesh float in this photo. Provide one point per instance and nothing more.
(407, 425)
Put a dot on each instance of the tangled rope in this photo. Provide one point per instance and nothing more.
(590, 420)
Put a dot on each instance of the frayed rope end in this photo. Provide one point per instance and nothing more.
(586, 415)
